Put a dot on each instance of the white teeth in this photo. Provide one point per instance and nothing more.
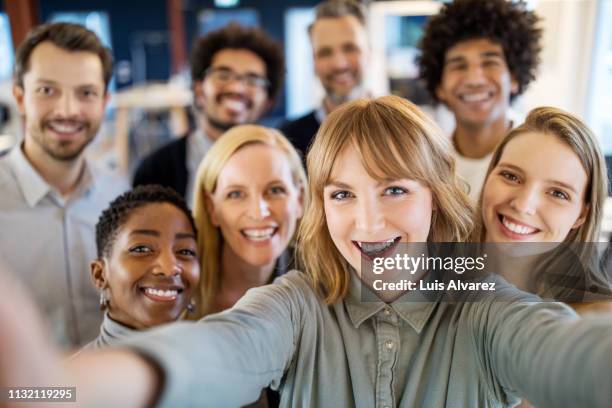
(65, 128)
(475, 97)
(234, 104)
(517, 229)
(372, 248)
(259, 234)
(162, 293)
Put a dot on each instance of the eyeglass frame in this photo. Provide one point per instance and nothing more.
(250, 80)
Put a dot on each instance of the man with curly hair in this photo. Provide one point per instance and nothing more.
(477, 57)
(236, 73)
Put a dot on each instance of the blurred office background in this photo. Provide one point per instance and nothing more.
(150, 40)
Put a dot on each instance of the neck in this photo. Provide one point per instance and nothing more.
(477, 141)
(238, 276)
(210, 130)
(331, 102)
(63, 176)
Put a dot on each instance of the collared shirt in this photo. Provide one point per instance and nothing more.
(410, 353)
(198, 144)
(48, 242)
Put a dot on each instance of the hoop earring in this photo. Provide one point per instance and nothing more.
(191, 306)
(103, 301)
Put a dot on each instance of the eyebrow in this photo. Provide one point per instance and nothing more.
(461, 58)
(154, 233)
(340, 184)
(52, 82)
(551, 181)
(226, 68)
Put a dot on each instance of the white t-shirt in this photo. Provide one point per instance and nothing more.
(473, 172)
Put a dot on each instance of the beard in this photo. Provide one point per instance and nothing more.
(62, 150)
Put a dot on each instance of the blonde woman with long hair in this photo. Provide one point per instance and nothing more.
(249, 197)
(543, 194)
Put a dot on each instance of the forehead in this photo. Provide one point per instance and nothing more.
(163, 217)
(71, 68)
(256, 163)
(561, 162)
(239, 60)
(474, 48)
(333, 31)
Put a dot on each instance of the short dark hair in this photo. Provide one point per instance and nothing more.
(503, 22)
(67, 36)
(337, 9)
(113, 218)
(235, 36)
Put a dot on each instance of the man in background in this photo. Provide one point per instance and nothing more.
(340, 51)
(477, 58)
(51, 195)
(236, 74)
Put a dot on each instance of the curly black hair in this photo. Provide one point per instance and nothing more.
(120, 208)
(504, 22)
(235, 36)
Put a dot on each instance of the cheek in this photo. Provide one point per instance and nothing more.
(337, 221)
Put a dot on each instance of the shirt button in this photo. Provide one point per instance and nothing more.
(387, 312)
(389, 344)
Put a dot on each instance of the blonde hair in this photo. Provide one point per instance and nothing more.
(559, 274)
(397, 140)
(209, 236)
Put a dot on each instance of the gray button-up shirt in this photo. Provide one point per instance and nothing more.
(410, 353)
(48, 242)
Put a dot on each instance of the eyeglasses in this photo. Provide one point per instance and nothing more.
(224, 76)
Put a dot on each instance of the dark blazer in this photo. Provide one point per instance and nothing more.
(301, 131)
(166, 166)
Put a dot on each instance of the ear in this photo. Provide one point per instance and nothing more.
(514, 86)
(300, 202)
(583, 215)
(440, 94)
(210, 209)
(18, 94)
(198, 93)
(98, 274)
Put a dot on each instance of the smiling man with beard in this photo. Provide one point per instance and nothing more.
(340, 53)
(477, 57)
(51, 195)
(236, 73)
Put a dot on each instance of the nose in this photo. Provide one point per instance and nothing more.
(167, 264)
(237, 84)
(68, 106)
(369, 217)
(526, 200)
(339, 60)
(259, 208)
(475, 74)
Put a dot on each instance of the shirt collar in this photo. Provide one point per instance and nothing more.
(412, 307)
(33, 186)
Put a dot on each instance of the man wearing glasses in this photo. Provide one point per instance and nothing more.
(236, 73)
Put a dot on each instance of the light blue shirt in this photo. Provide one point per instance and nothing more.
(49, 241)
(410, 353)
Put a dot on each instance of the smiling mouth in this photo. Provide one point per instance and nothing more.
(516, 228)
(376, 249)
(161, 294)
(65, 128)
(476, 97)
(259, 234)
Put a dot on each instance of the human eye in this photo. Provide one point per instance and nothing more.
(491, 62)
(560, 194)
(89, 93)
(341, 195)
(324, 53)
(395, 191)
(256, 81)
(350, 48)
(140, 249)
(187, 252)
(277, 190)
(45, 90)
(509, 176)
(234, 194)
